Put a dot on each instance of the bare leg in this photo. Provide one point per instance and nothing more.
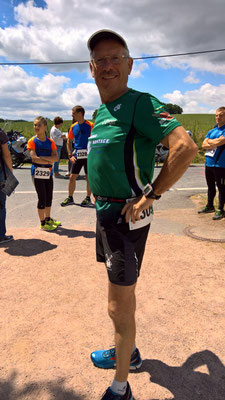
(41, 214)
(88, 187)
(121, 308)
(47, 212)
(72, 184)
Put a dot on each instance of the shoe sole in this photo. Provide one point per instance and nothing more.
(48, 230)
(6, 241)
(132, 367)
(65, 205)
(206, 212)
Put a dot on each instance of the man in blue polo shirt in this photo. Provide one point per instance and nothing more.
(214, 146)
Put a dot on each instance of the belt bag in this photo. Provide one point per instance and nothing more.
(9, 183)
(109, 199)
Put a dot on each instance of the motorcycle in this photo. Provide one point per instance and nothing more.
(18, 148)
(161, 152)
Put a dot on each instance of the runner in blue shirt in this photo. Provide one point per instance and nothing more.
(214, 146)
(79, 132)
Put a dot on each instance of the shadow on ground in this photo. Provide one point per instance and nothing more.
(55, 390)
(72, 233)
(28, 247)
(185, 383)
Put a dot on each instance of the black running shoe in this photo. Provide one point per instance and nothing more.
(110, 395)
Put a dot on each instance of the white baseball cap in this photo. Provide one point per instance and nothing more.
(104, 34)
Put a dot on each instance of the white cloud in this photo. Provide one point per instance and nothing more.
(25, 96)
(204, 100)
(60, 32)
(191, 78)
(138, 68)
(150, 27)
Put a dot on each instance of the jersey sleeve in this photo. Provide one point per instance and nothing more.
(53, 145)
(91, 124)
(31, 144)
(70, 134)
(152, 119)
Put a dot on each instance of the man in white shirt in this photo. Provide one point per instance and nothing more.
(57, 136)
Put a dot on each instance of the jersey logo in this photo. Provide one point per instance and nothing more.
(117, 107)
(164, 115)
(108, 262)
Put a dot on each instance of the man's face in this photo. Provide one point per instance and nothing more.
(220, 117)
(74, 114)
(110, 78)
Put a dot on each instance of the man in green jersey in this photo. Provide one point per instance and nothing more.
(128, 127)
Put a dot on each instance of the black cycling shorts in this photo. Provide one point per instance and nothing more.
(44, 189)
(121, 250)
(77, 165)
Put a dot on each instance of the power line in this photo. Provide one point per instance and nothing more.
(134, 58)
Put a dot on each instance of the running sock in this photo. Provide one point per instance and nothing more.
(47, 219)
(43, 222)
(119, 387)
(71, 197)
(134, 348)
(88, 198)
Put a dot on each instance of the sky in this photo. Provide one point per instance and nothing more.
(58, 30)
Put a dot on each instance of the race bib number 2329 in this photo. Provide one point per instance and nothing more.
(42, 173)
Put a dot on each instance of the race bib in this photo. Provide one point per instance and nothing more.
(210, 153)
(146, 217)
(42, 173)
(81, 154)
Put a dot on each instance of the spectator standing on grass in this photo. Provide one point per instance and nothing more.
(121, 159)
(79, 132)
(57, 136)
(214, 146)
(5, 157)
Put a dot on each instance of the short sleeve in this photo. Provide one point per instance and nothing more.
(53, 145)
(31, 144)
(70, 134)
(152, 119)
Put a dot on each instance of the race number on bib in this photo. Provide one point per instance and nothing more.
(210, 153)
(146, 217)
(42, 173)
(81, 154)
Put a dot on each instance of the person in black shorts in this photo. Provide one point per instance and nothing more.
(121, 156)
(43, 152)
(79, 132)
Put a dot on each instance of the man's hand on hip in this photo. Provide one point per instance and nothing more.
(134, 208)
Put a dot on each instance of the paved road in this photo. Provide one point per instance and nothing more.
(21, 206)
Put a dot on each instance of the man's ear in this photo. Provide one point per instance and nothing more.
(92, 69)
(130, 64)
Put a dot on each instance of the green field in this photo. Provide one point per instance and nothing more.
(198, 124)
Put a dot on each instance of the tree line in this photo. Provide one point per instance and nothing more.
(171, 108)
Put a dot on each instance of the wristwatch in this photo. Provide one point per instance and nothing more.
(148, 192)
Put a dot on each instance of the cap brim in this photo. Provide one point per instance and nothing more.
(104, 34)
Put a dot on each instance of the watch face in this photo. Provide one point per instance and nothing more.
(147, 189)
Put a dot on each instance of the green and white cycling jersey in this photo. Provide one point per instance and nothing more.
(121, 153)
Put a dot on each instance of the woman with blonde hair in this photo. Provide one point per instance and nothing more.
(43, 152)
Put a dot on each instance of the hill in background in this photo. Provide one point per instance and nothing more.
(198, 124)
